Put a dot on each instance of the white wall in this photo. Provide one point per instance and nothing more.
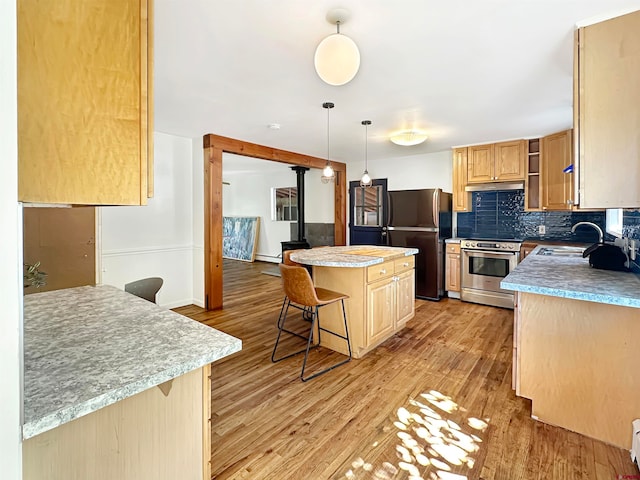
(249, 194)
(156, 239)
(431, 170)
(10, 255)
(197, 190)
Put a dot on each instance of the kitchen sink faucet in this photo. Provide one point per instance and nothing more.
(591, 224)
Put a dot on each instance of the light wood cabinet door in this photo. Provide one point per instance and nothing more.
(405, 297)
(381, 313)
(557, 186)
(85, 101)
(452, 270)
(509, 160)
(461, 198)
(526, 249)
(608, 113)
(480, 163)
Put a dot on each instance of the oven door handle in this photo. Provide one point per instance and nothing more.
(490, 253)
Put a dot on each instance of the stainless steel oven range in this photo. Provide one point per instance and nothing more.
(484, 264)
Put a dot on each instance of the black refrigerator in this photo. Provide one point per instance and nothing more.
(422, 219)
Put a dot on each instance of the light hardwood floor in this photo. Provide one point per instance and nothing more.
(433, 402)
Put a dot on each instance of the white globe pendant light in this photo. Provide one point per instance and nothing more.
(337, 57)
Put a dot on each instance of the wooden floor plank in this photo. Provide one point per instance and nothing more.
(410, 400)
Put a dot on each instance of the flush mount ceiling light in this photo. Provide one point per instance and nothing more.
(365, 180)
(328, 175)
(337, 57)
(406, 138)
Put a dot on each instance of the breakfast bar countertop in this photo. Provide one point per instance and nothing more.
(351, 256)
(89, 347)
(573, 277)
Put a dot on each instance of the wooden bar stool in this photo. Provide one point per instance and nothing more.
(301, 294)
(286, 259)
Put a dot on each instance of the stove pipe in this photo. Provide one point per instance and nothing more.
(300, 171)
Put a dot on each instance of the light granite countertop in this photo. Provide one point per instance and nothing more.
(573, 277)
(89, 347)
(351, 256)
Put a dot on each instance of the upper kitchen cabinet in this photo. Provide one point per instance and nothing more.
(461, 198)
(556, 186)
(607, 113)
(85, 133)
(497, 162)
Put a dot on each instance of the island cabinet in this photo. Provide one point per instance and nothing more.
(461, 198)
(85, 133)
(381, 293)
(607, 113)
(452, 270)
(390, 295)
(496, 162)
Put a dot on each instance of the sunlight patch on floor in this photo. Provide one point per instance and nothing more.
(430, 445)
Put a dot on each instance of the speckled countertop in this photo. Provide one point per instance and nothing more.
(89, 347)
(572, 277)
(352, 256)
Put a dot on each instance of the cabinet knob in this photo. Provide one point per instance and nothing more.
(405, 264)
(383, 271)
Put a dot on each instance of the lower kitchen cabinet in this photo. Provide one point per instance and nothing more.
(381, 301)
(526, 248)
(452, 270)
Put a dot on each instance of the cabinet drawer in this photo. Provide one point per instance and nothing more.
(453, 247)
(381, 270)
(403, 264)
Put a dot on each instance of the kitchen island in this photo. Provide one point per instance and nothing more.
(576, 353)
(116, 387)
(380, 282)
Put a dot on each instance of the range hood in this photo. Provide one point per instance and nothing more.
(490, 187)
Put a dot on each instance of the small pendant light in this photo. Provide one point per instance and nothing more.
(365, 180)
(328, 175)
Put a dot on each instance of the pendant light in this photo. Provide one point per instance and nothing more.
(328, 175)
(337, 57)
(365, 180)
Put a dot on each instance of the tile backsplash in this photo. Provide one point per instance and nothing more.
(631, 229)
(500, 214)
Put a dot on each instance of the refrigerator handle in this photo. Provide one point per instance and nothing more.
(389, 209)
(435, 205)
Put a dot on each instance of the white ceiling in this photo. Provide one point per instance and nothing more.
(467, 71)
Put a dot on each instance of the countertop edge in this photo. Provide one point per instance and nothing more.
(621, 300)
(346, 260)
(572, 294)
(65, 415)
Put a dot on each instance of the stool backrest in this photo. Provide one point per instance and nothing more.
(286, 258)
(298, 286)
(146, 288)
